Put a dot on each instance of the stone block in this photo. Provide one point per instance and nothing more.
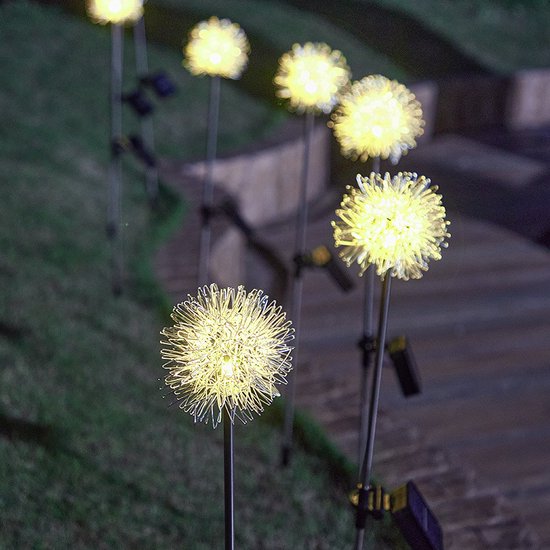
(528, 102)
(227, 261)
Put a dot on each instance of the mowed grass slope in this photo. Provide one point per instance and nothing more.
(503, 35)
(91, 456)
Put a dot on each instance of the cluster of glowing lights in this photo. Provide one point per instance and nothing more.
(227, 349)
(395, 223)
(311, 77)
(378, 117)
(116, 12)
(217, 47)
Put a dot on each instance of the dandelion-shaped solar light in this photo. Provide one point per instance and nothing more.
(117, 13)
(225, 354)
(398, 225)
(378, 117)
(217, 48)
(310, 77)
(395, 223)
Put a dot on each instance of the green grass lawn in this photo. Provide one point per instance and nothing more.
(503, 35)
(91, 456)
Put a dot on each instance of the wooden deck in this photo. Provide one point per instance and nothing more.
(479, 325)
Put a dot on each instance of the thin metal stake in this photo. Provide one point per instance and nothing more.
(208, 184)
(146, 123)
(297, 287)
(366, 468)
(115, 168)
(367, 346)
(228, 478)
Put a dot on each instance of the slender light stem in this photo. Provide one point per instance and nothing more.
(297, 287)
(208, 184)
(228, 481)
(366, 468)
(367, 346)
(115, 168)
(359, 538)
(146, 122)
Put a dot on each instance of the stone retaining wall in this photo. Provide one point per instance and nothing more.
(266, 181)
(528, 101)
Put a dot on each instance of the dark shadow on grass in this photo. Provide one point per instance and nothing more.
(14, 428)
(12, 332)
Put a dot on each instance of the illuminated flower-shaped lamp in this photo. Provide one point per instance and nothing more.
(377, 118)
(310, 77)
(217, 48)
(396, 224)
(117, 13)
(225, 354)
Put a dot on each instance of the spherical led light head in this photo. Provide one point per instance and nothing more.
(395, 223)
(378, 117)
(117, 12)
(311, 76)
(216, 47)
(227, 350)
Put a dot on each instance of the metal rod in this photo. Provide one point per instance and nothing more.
(228, 479)
(297, 287)
(359, 538)
(115, 168)
(367, 346)
(366, 468)
(146, 122)
(208, 184)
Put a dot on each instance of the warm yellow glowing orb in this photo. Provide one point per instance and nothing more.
(226, 350)
(395, 223)
(311, 77)
(216, 47)
(115, 11)
(378, 117)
